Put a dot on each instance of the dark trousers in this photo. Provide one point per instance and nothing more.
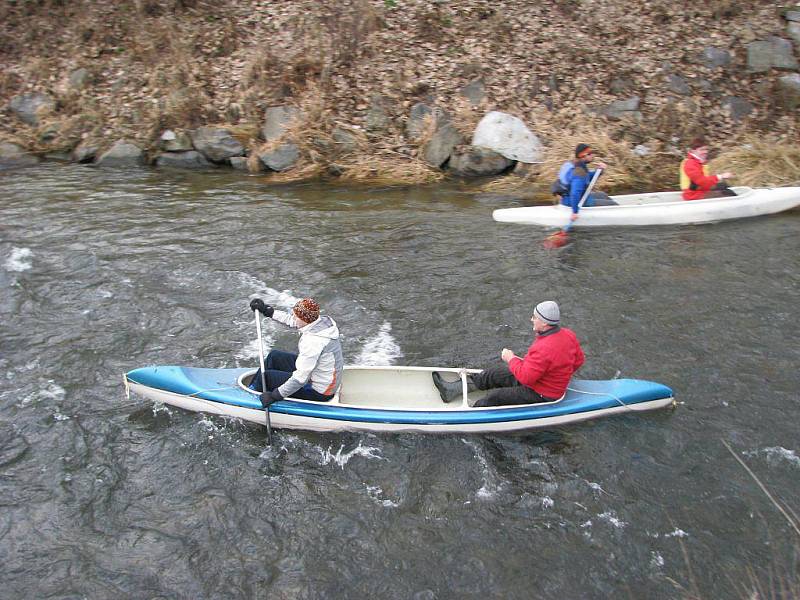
(505, 389)
(278, 368)
(720, 190)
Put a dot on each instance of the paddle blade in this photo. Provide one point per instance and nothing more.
(556, 240)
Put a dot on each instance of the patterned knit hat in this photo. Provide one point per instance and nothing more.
(548, 312)
(306, 309)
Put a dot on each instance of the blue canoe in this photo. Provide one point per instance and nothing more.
(389, 398)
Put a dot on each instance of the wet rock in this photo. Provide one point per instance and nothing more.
(277, 120)
(172, 141)
(282, 158)
(472, 161)
(239, 163)
(774, 52)
(122, 154)
(85, 152)
(216, 144)
(441, 145)
(474, 92)
(28, 108)
(507, 135)
(13, 157)
(715, 58)
(789, 90)
(191, 159)
(738, 107)
(678, 85)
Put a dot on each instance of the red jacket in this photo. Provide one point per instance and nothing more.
(549, 364)
(693, 169)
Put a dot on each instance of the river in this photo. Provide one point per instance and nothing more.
(103, 496)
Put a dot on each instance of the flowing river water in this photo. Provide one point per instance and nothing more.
(105, 496)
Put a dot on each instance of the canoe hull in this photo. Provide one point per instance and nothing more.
(659, 208)
(380, 411)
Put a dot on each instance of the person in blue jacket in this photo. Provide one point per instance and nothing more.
(577, 180)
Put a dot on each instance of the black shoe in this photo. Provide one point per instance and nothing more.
(448, 390)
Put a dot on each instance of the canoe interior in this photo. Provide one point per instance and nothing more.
(667, 197)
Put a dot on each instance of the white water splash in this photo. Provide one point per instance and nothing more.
(611, 517)
(381, 349)
(375, 492)
(596, 487)
(779, 453)
(341, 458)
(280, 300)
(20, 260)
(656, 560)
(490, 487)
(59, 417)
(680, 533)
(250, 350)
(49, 390)
(547, 502)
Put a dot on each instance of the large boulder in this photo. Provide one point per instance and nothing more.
(377, 118)
(216, 144)
(619, 109)
(793, 29)
(418, 117)
(738, 107)
(277, 120)
(715, 58)
(473, 161)
(508, 136)
(29, 107)
(789, 90)
(122, 154)
(13, 156)
(85, 152)
(775, 52)
(438, 149)
(282, 158)
(191, 159)
(175, 141)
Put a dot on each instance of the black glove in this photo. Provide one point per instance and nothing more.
(268, 398)
(264, 309)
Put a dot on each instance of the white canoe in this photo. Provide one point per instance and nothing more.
(659, 208)
(389, 398)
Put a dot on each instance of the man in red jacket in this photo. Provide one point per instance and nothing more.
(696, 183)
(541, 376)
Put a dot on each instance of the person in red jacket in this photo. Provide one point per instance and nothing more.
(696, 183)
(542, 375)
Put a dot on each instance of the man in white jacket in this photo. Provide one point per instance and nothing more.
(315, 373)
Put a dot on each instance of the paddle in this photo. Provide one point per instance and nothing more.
(559, 238)
(263, 377)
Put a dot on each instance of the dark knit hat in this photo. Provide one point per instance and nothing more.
(306, 309)
(582, 150)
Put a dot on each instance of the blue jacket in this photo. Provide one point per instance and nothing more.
(581, 176)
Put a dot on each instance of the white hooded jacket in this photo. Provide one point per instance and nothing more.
(319, 355)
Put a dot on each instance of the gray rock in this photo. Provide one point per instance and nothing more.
(793, 29)
(441, 145)
(277, 120)
(122, 154)
(216, 144)
(715, 58)
(28, 107)
(346, 141)
(85, 152)
(191, 159)
(620, 85)
(678, 85)
(474, 92)
(774, 52)
(79, 78)
(507, 135)
(419, 114)
(621, 108)
(789, 90)
(281, 158)
(239, 163)
(377, 119)
(738, 107)
(472, 161)
(175, 141)
(792, 14)
(13, 157)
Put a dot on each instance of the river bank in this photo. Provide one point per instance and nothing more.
(351, 79)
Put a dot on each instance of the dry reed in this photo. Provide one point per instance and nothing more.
(761, 162)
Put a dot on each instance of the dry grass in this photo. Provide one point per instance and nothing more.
(388, 169)
(761, 161)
